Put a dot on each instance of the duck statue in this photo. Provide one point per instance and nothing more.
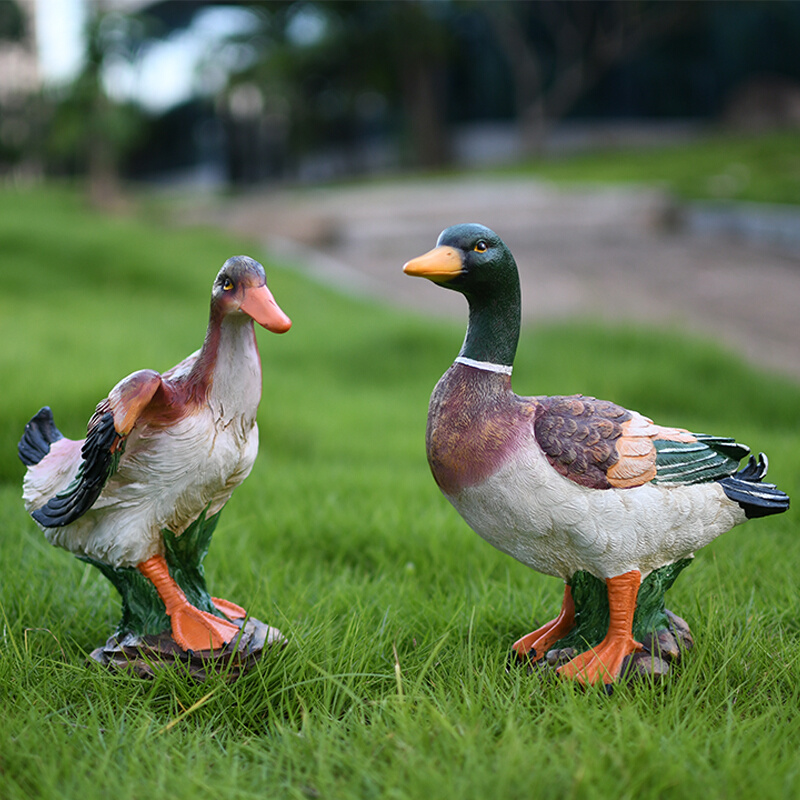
(162, 456)
(572, 485)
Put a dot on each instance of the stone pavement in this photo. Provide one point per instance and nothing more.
(615, 254)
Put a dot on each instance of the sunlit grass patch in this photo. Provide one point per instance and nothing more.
(399, 619)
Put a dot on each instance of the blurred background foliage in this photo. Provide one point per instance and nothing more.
(301, 90)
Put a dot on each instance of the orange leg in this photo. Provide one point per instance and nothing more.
(605, 661)
(192, 628)
(536, 644)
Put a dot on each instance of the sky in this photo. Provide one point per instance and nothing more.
(168, 71)
(60, 40)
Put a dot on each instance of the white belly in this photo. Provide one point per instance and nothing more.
(165, 479)
(557, 527)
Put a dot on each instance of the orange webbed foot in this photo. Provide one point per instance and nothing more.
(230, 610)
(194, 629)
(534, 646)
(602, 663)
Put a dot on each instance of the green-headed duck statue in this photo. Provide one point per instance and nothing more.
(571, 486)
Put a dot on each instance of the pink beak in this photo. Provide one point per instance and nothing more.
(261, 306)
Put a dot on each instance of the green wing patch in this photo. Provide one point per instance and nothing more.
(708, 459)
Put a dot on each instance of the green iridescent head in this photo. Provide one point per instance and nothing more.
(474, 260)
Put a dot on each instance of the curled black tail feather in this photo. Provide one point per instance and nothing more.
(39, 434)
(757, 499)
(99, 461)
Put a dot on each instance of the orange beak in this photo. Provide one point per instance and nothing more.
(439, 265)
(259, 304)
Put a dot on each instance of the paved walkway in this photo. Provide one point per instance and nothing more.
(610, 253)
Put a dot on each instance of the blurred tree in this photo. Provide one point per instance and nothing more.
(18, 105)
(88, 132)
(12, 22)
(558, 51)
(414, 54)
(404, 48)
(323, 88)
(331, 68)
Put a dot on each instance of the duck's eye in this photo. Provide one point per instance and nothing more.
(227, 285)
(481, 247)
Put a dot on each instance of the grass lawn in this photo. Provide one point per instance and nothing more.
(762, 168)
(400, 618)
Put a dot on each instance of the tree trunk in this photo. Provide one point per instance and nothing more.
(423, 103)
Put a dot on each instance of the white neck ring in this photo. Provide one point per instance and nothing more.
(486, 366)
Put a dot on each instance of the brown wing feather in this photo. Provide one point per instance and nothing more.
(578, 435)
(600, 444)
(636, 451)
(128, 399)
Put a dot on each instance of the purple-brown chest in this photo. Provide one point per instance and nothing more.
(475, 424)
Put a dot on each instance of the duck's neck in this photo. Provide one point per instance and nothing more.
(494, 324)
(228, 367)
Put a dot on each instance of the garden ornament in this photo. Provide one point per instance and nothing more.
(140, 496)
(578, 488)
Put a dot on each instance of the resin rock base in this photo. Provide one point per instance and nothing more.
(661, 650)
(146, 655)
